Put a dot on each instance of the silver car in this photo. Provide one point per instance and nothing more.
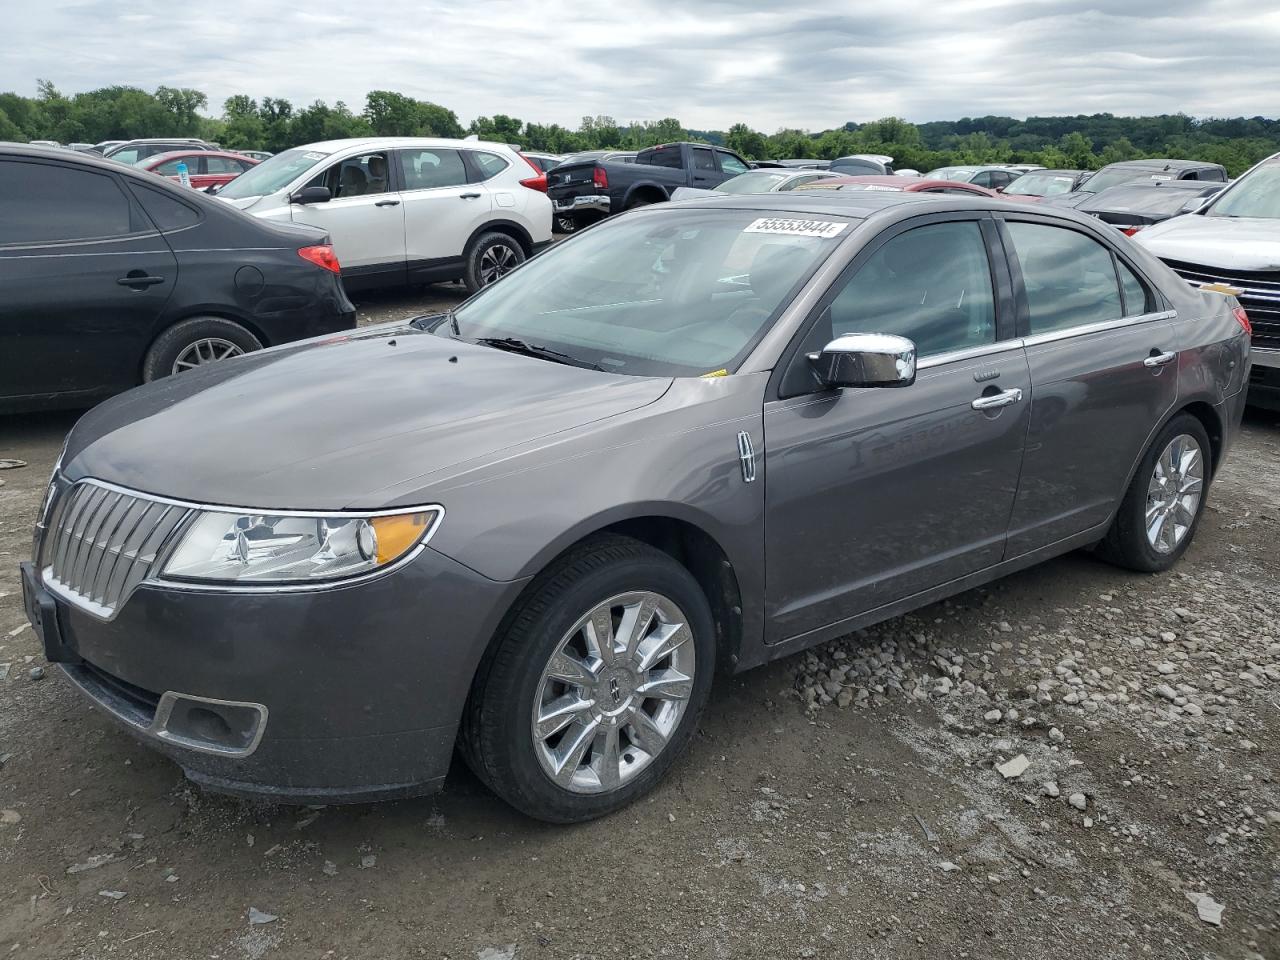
(698, 437)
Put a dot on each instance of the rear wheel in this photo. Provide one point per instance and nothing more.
(492, 257)
(196, 343)
(1162, 508)
(596, 686)
(564, 223)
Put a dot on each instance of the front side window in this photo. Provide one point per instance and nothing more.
(682, 294)
(47, 203)
(274, 173)
(357, 176)
(221, 165)
(731, 164)
(1070, 278)
(703, 159)
(428, 169)
(931, 285)
(490, 164)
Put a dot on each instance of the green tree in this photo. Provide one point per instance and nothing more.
(747, 142)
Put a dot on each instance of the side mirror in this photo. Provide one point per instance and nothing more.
(311, 195)
(866, 360)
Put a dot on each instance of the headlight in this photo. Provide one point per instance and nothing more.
(291, 548)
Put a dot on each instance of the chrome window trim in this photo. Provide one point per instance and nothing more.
(968, 353)
(1101, 327)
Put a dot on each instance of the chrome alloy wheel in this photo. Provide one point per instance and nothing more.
(1173, 495)
(613, 693)
(206, 350)
(496, 262)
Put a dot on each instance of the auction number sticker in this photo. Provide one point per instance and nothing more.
(796, 228)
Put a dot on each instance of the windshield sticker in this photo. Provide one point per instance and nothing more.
(314, 156)
(1062, 179)
(1161, 176)
(797, 228)
(877, 187)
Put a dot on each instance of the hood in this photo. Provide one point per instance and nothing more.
(1231, 243)
(328, 423)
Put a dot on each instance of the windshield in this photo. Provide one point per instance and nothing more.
(756, 182)
(1110, 178)
(1256, 195)
(1040, 185)
(672, 294)
(951, 173)
(272, 174)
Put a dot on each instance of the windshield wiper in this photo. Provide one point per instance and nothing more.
(514, 345)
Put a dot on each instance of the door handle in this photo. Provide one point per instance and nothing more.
(469, 196)
(387, 203)
(1159, 359)
(138, 280)
(996, 400)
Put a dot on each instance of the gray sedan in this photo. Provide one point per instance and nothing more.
(701, 436)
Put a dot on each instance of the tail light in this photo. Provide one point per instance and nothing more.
(538, 182)
(600, 179)
(321, 255)
(1243, 319)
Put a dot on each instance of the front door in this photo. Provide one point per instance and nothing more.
(878, 494)
(441, 210)
(84, 277)
(1104, 374)
(364, 218)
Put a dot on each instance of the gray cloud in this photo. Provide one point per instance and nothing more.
(708, 62)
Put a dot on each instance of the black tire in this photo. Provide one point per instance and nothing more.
(496, 736)
(178, 339)
(491, 244)
(640, 201)
(564, 223)
(1126, 544)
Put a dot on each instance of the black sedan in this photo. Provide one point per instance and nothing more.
(113, 277)
(1142, 203)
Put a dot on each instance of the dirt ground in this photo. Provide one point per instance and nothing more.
(840, 803)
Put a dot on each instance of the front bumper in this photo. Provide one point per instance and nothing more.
(591, 203)
(361, 687)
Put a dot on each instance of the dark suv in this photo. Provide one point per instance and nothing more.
(113, 277)
(1152, 171)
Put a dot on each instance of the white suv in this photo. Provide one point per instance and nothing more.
(406, 209)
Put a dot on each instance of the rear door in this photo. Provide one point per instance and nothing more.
(442, 208)
(84, 277)
(875, 495)
(1104, 373)
(364, 218)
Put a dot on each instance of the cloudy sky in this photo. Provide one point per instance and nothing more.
(709, 63)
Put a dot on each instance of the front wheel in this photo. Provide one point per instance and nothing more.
(491, 258)
(596, 686)
(1162, 508)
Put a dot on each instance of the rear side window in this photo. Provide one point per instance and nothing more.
(490, 164)
(167, 212)
(1070, 278)
(427, 169)
(1137, 300)
(44, 203)
(661, 157)
(703, 159)
(931, 285)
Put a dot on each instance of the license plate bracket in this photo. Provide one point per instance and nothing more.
(42, 613)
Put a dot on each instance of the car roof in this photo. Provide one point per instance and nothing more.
(1157, 164)
(334, 146)
(1055, 172)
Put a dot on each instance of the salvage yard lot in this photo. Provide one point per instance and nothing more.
(842, 802)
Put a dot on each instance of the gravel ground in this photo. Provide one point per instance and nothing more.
(1076, 762)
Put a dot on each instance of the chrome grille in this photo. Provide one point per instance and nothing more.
(1259, 295)
(102, 542)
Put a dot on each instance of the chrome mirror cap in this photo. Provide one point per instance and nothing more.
(866, 360)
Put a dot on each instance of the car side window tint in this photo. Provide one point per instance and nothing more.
(1070, 278)
(170, 168)
(428, 169)
(982, 179)
(661, 157)
(220, 165)
(931, 285)
(1137, 300)
(166, 212)
(490, 164)
(45, 203)
(703, 159)
(731, 164)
